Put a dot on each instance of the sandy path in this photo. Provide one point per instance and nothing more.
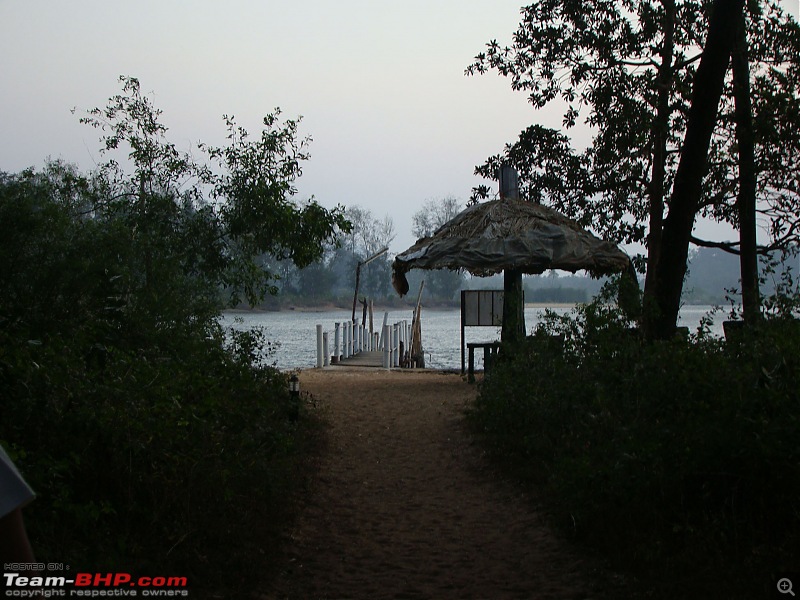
(404, 506)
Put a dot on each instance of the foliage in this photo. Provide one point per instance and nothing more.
(559, 53)
(368, 236)
(234, 211)
(676, 459)
(433, 214)
(628, 69)
(155, 440)
(440, 284)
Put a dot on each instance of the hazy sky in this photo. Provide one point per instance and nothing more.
(380, 85)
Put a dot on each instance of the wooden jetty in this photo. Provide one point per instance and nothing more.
(356, 345)
(362, 359)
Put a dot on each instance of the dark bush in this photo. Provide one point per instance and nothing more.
(156, 441)
(678, 459)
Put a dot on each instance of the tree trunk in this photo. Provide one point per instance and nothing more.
(659, 133)
(513, 307)
(746, 199)
(708, 85)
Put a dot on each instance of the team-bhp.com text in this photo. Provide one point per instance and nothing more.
(93, 585)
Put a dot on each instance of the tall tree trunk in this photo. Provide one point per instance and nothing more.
(708, 86)
(513, 330)
(659, 133)
(513, 307)
(144, 227)
(746, 199)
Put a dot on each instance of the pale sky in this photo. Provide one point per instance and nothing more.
(380, 85)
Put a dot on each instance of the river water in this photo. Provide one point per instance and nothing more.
(295, 332)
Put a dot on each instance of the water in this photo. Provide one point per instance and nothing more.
(441, 331)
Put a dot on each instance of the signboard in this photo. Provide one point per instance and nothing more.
(482, 308)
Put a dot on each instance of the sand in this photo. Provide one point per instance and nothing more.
(405, 504)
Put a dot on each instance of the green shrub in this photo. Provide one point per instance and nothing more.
(678, 459)
(156, 441)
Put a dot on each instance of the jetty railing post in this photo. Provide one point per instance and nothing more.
(384, 339)
(390, 342)
(386, 347)
(336, 339)
(401, 342)
(406, 341)
(326, 360)
(395, 345)
(399, 338)
(350, 339)
(320, 361)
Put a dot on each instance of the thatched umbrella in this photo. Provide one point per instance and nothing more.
(512, 236)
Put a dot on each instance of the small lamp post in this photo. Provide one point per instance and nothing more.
(294, 397)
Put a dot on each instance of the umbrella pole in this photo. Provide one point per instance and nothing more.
(513, 307)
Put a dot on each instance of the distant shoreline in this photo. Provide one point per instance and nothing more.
(321, 308)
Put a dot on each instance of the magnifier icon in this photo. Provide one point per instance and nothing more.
(785, 586)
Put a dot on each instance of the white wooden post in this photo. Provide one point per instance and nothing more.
(384, 340)
(326, 360)
(387, 358)
(395, 345)
(337, 336)
(405, 338)
(400, 342)
(320, 360)
(349, 339)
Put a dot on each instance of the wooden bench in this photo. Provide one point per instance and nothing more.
(490, 350)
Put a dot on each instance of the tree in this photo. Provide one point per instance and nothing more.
(621, 64)
(629, 68)
(435, 212)
(687, 191)
(215, 220)
(746, 195)
(368, 236)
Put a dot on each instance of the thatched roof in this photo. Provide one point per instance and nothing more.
(505, 234)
